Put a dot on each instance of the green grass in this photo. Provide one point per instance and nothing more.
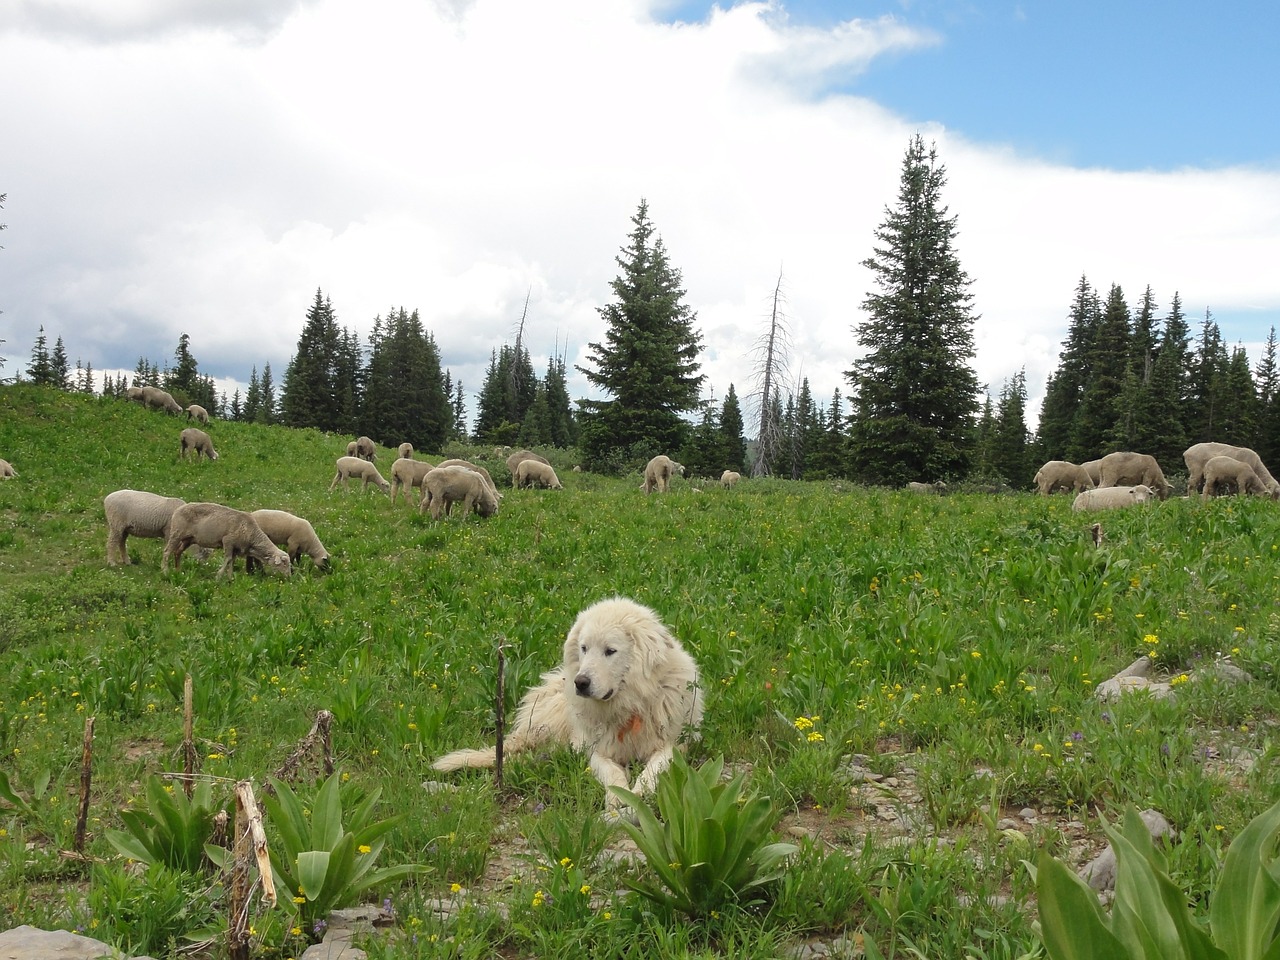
(954, 641)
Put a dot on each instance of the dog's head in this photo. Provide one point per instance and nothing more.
(609, 640)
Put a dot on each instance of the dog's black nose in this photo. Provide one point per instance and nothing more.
(582, 685)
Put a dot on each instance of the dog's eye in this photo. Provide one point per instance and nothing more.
(583, 648)
(609, 651)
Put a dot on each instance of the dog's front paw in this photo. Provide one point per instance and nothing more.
(615, 814)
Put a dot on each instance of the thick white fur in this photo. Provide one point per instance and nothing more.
(624, 693)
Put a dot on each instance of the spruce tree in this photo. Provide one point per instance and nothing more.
(560, 407)
(1064, 390)
(914, 394)
(1169, 386)
(61, 366)
(733, 444)
(266, 411)
(252, 397)
(1266, 437)
(1239, 409)
(1100, 415)
(40, 369)
(1208, 375)
(648, 362)
(318, 389)
(405, 396)
(1010, 447)
(183, 379)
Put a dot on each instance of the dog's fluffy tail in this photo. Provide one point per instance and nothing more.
(484, 757)
(541, 718)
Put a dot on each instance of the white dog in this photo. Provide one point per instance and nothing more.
(625, 692)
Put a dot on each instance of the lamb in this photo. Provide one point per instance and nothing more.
(292, 533)
(915, 486)
(406, 451)
(197, 440)
(445, 486)
(6, 471)
(153, 398)
(1112, 498)
(407, 474)
(197, 413)
(365, 449)
(213, 525)
(519, 457)
(356, 467)
(135, 513)
(1197, 455)
(1118, 469)
(1062, 475)
(658, 473)
(473, 467)
(730, 479)
(1222, 470)
(532, 473)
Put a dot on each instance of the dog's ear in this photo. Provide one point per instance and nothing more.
(571, 654)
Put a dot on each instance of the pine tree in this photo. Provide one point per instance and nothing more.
(732, 442)
(183, 379)
(915, 396)
(1169, 386)
(983, 449)
(252, 398)
(236, 410)
(318, 389)
(832, 454)
(1239, 408)
(1266, 437)
(648, 362)
(61, 366)
(1100, 415)
(266, 410)
(40, 369)
(1010, 447)
(1208, 376)
(1064, 390)
(405, 396)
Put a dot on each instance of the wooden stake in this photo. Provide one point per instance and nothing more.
(320, 730)
(498, 709)
(86, 780)
(188, 741)
(250, 845)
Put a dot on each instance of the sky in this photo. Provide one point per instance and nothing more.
(206, 167)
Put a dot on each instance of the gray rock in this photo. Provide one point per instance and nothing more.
(32, 943)
(1100, 873)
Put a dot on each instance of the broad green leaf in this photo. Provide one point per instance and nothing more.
(129, 845)
(1139, 917)
(326, 815)
(1072, 923)
(313, 867)
(1245, 906)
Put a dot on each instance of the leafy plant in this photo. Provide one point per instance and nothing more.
(147, 913)
(173, 831)
(39, 789)
(1150, 919)
(710, 848)
(324, 862)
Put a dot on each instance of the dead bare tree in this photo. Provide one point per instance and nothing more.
(772, 355)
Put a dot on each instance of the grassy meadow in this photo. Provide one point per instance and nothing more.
(950, 645)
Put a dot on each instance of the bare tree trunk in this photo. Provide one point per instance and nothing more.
(772, 349)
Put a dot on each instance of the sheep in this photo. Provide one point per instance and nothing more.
(6, 471)
(351, 449)
(135, 513)
(445, 486)
(519, 457)
(294, 534)
(1197, 455)
(1118, 469)
(213, 525)
(133, 393)
(356, 467)
(916, 486)
(197, 440)
(364, 449)
(658, 473)
(1228, 470)
(197, 413)
(1094, 469)
(532, 473)
(153, 398)
(1112, 498)
(406, 451)
(1062, 475)
(407, 474)
(475, 468)
(729, 479)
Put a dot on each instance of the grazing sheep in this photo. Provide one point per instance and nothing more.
(658, 473)
(916, 486)
(1062, 475)
(365, 449)
(1112, 498)
(153, 398)
(1122, 468)
(133, 393)
(135, 513)
(197, 413)
(351, 449)
(474, 468)
(730, 479)
(197, 440)
(519, 457)
(531, 473)
(1094, 469)
(1197, 455)
(294, 534)
(213, 525)
(1222, 470)
(407, 474)
(445, 486)
(356, 467)
(6, 471)
(406, 451)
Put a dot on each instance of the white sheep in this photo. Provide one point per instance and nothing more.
(475, 468)
(1112, 498)
(6, 471)
(445, 486)
(364, 449)
(1227, 470)
(214, 525)
(197, 413)
(356, 467)
(153, 398)
(198, 441)
(136, 513)
(133, 393)
(406, 451)
(407, 474)
(658, 473)
(532, 473)
(729, 479)
(916, 486)
(292, 533)
(1198, 455)
(515, 459)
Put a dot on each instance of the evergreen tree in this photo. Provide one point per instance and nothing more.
(1266, 437)
(40, 369)
(318, 388)
(1208, 382)
(1100, 415)
(252, 398)
(648, 362)
(61, 366)
(702, 452)
(84, 378)
(405, 396)
(236, 410)
(1239, 411)
(559, 406)
(1142, 423)
(1169, 386)
(1064, 390)
(1010, 446)
(509, 390)
(732, 443)
(915, 396)
(832, 457)
(984, 446)
(459, 412)
(184, 379)
(266, 410)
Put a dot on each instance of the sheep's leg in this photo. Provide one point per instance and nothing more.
(468, 504)
(228, 560)
(336, 478)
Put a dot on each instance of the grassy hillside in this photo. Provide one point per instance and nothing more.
(951, 644)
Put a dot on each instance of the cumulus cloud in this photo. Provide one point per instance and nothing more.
(98, 22)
